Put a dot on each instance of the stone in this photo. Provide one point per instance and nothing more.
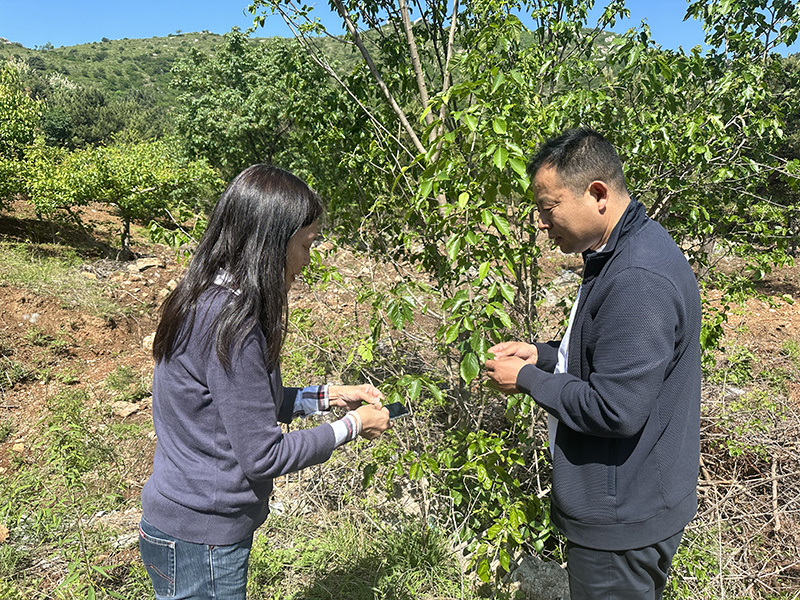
(141, 264)
(149, 262)
(125, 409)
(535, 579)
(147, 342)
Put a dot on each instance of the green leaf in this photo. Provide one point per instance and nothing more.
(483, 271)
(503, 316)
(452, 333)
(484, 571)
(368, 475)
(502, 224)
(471, 122)
(414, 389)
(469, 367)
(453, 246)
(518, 165)
(499, 80)
(499, 125)
(425, 188)
(435, 392)
(500, 157)
(507, 291)
(504, 559)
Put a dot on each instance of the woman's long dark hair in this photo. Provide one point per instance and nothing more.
(247, 236)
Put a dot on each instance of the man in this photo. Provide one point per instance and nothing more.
(622, 388)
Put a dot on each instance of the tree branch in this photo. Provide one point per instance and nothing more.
(377, 76)
(415, 62)
(326, 66)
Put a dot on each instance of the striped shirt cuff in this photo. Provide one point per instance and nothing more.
(313, 400)
(347, 428)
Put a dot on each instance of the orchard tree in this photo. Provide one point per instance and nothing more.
(20, 114)
(468, 94)
(19, 119)
(139, 181)
(142, 180)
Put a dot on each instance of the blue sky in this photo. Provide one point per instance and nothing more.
(65, 23)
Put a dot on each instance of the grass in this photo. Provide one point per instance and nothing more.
(77, 469)
(71, 473)
(127, 385)
(336, 538)
(53, 270)
(351, 557)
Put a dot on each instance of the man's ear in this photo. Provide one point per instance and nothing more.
(599, 191)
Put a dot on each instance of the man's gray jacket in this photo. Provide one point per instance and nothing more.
(627, 450)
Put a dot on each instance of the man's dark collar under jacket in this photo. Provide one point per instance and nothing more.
(633, 218)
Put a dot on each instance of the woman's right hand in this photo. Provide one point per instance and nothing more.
(374, 420)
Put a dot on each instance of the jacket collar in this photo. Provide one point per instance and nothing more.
(633, 218)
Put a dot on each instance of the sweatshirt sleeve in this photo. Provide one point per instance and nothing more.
(548, 355)
(631, 350)
(248, 413)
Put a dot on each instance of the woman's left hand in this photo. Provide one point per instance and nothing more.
(353, 396)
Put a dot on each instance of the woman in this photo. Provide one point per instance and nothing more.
(218, 396)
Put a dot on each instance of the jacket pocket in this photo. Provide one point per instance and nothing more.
(611, 481)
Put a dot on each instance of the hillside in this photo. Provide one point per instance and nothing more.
(117, 66)
(401, 517)
(121, 66)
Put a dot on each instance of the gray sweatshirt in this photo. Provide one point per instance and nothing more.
(219, 442)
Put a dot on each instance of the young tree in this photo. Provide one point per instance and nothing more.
(142, 180)
(458, 96)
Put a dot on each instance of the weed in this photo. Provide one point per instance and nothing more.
(12, 560)
(301, 361)
(39, 337)
(747, 421)
(355, 559)
(6, 347)
(14, 372)
(126, 384)
(121, 378)
(69, 377)
(692, 568)
(738, 368)
(6, 429)
(70, 444)
(50, 503)
(791, 350)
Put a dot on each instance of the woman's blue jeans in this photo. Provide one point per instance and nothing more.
(185, 571)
